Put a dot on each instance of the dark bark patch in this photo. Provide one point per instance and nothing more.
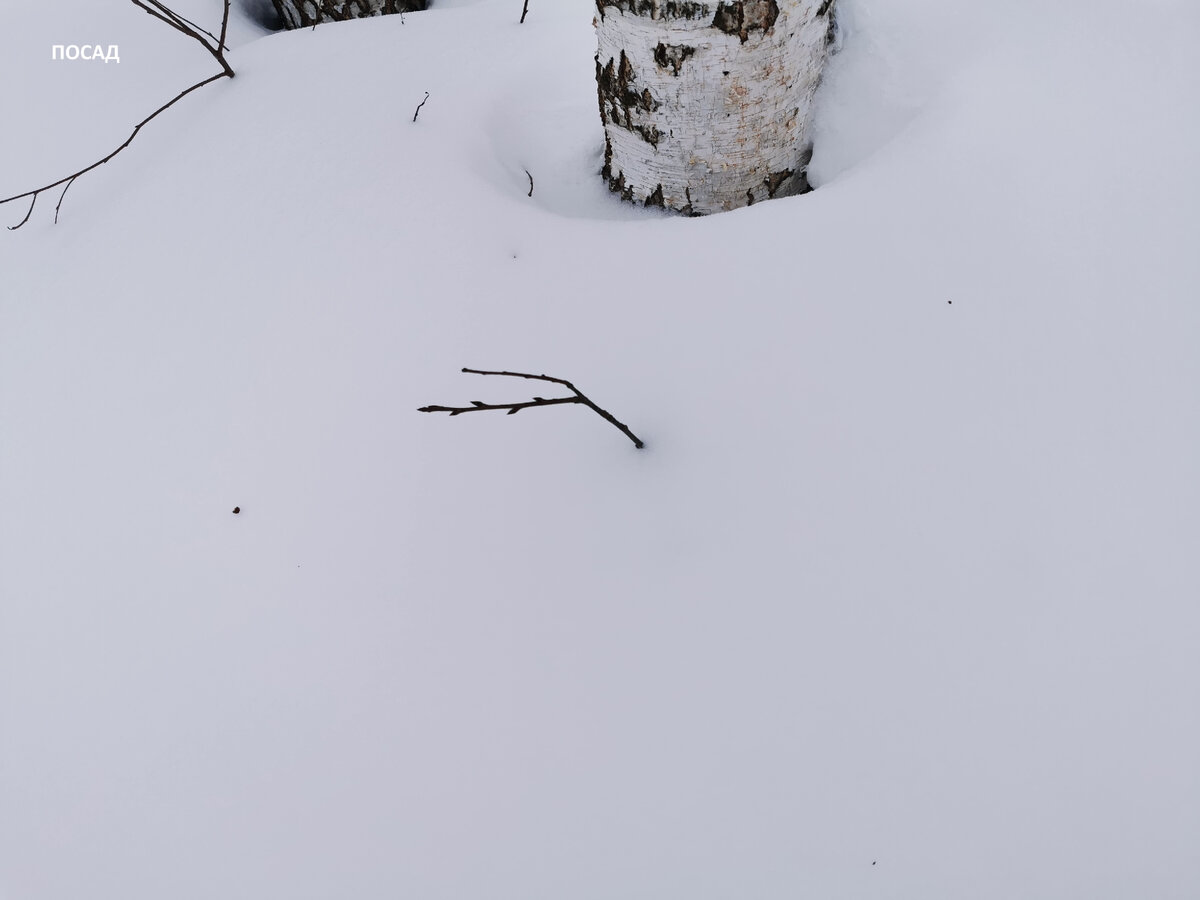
(648, 133)
(620, 100)
(672, 56)
(671, 9)
(306, 13)
(740, 17)
(600, 91)
(618, 186)
(831, 33)
(656, 199)
(775, 180)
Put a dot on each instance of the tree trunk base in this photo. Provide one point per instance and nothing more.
(306, 13)
(707, 106)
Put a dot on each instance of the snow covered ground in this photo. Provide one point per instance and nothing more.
(900, 600)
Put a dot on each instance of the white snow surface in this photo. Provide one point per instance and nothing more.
(901, 600)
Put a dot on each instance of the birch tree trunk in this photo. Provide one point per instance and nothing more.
(707, 104)
(303, 13)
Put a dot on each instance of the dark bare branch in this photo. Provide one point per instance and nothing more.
(512, 408)
(549, 378)
(58, 205)
(128, 141)
(419, 105)
(169, 19)
(221, 45)
(216, 47)
(524, 12)
(218, 41)
(530, 183)
(477, 406)
(28, 213)
(164, 14)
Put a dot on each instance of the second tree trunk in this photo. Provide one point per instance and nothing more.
(708, 106)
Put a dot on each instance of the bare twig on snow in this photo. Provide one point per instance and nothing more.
(513, 408)
(419, 105)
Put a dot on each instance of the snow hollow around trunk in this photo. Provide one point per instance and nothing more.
(707, 107)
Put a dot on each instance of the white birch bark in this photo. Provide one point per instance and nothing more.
(707, 104)
(303, 13)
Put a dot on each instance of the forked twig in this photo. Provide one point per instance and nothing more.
(512, 408)
(524, 12)
(176, 21)
(191, 29)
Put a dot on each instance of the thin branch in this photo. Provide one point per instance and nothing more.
(164, 14)
(32, 204)
(220, 41)
(524, 12)
(513, 408)
(549, 378)
(176, 20)
(530, 183)
(419, 105)
(58, 205)
(128, 141)
(224, 31)
(182, 25)
(477, 406)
